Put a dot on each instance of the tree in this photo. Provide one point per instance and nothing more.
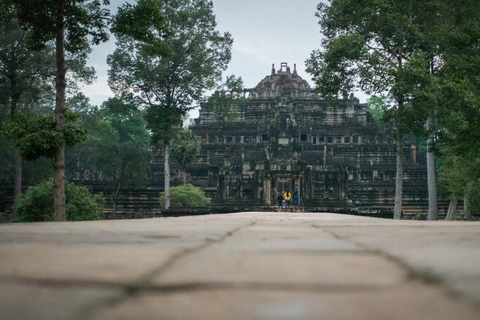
(168, 85)
(449, 92)
(186, 196)
(368, 45)
(36, 135)
(145, 23)
(6, 146)
(26, 76)
(460, 177)
(378, 106)
(224, 102)
(452, 180)
(125, 157)
(185, 148)
(420, 76)
(37, 204)
(33, 103)
(73, 25)
(23, 72)
(457, 86)
(118, 144)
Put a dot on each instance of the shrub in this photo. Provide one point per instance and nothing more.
(186, 196)
(37, 203)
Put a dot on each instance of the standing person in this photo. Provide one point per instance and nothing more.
(288, 197)
(280, 201)
(296, 199)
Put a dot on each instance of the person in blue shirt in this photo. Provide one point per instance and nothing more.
(296, 199)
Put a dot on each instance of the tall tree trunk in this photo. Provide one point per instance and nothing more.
(17, 184)
(17, 190)
(432, 186)
(59, 175)
(397, 210)
(167, 175)
(114, 201)
(184, 176)
(452, 210)
(466, 209)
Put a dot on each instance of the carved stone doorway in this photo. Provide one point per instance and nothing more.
(283, 183)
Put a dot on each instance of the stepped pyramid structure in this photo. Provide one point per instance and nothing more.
(285, 134)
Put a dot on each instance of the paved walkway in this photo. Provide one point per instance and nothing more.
(241, 266)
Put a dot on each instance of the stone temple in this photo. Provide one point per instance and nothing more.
(285, 134)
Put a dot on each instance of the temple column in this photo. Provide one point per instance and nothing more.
(267, 191)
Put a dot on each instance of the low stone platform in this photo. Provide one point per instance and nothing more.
(241, 266)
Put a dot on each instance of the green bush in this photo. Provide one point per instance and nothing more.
(186, 196)
(37, 204)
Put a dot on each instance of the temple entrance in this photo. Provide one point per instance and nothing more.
(283, 183)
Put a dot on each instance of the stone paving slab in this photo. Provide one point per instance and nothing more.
(41, 301)
(347, 270)
(414, 301)
(119, 263)
(290, 237)
(172, 232)
(241, 266)
(447, 252)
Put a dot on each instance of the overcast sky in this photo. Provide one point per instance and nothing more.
(264, 32)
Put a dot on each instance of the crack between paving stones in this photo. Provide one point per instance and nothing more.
(425, 276)
(257, 286)
(126, 289)
(208, 242)
(143, 284)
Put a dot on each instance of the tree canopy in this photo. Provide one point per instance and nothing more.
(185, 148)
(73, 25)
(368, 45)
(417, 52)
(168, 86)
(117, 150)
(226, 99)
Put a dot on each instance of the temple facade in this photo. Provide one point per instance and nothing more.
(285, 134)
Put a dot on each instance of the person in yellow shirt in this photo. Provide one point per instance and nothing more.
(288, 197)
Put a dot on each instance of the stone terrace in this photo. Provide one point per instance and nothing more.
(241, 266)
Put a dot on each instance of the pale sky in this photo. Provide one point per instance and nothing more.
(264, 32)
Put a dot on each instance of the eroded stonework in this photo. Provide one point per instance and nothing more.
(285, 134)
